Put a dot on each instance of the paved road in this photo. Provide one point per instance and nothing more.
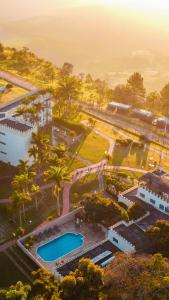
(151, 135)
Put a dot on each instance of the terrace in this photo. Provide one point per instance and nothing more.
(9, 94)
(93, 235)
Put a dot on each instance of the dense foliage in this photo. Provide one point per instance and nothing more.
(128, 277)
(159, 235)
(100, 209)
(136, 211)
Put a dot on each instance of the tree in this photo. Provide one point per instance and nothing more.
(136, 211)
(159, 235)
(130, 277)
(67, 69)
(57, 175)
(85, 283)
(153, 101)
(35, 189)
(165, 99)
(122, 93)
(99, 209)
(136, 84)
(45, 284)
(19, 291)
(19, 200)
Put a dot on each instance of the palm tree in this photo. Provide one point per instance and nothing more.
(35, 189)
(33, 152)
(22, 167)
(19, 199)
(57, 175)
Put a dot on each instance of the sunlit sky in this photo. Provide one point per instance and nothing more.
(22, 8)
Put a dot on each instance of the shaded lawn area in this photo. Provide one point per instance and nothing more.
(9, 273)
(133, 156)
(75, 164)
(85, 185)
(5, 188)
(93, 147)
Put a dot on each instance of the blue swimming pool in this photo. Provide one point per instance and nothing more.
(60, 246)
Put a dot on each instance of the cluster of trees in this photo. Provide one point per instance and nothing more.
(116, 183)
(159, 235)
(99, 209)
(127, 277)
(48, 167)
(134, 93)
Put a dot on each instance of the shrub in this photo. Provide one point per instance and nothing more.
(136, 211)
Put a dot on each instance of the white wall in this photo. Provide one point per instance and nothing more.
(124, 200)
(121, 243)
(149, 196)
(16, 144)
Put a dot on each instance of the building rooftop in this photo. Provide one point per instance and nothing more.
(157, 182)
(15, 125)
(135, 235)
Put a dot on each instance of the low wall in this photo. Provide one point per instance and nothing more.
(124, 200)
(59, 221)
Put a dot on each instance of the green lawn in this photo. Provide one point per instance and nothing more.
(76, 164)
(93, 147)
(87, 184)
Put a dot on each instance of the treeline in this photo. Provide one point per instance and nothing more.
(65, 86)
(128, 277)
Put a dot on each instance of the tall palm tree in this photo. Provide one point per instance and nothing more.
(57, 175)
(33, 152)
(23, 166)
(19, 200)
(35, 189)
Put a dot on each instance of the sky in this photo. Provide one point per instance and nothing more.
(14, 9)
(97, 36)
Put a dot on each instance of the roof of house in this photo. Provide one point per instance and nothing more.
(15, 125)
(14, 103)
(135, 235)
(157, 183)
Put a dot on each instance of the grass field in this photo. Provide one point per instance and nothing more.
(13, 93)
(93, 147)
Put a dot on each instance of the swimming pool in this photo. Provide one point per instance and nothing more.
(60, 246)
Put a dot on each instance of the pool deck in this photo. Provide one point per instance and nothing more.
(92, 236)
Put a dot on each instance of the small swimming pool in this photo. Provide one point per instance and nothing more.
(60, 246)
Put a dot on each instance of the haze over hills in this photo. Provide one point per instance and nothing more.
(105, 42)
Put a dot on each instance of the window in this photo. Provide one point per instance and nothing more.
(3, 152)
(152, 201)
(167, 209)
(2, 133)
(142, 195)
(115, 240)
(2, 143)
(161, 207)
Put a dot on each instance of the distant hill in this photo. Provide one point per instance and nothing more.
(96, 40)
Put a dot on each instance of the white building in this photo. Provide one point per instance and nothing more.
(154, 190)
(16, 131)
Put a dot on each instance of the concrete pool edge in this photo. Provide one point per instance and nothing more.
(53, 239)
